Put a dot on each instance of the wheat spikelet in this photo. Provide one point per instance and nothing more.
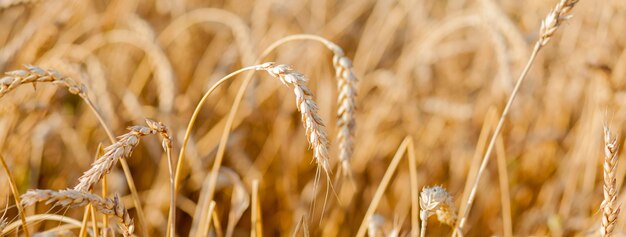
(33, 74)
(551, 23)
(72, 198)
(315, 129)
(163, 131)
(437, 200)
(346, 100)
(609, 211)
(123, 148)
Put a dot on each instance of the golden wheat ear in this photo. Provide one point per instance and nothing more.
(313, 124)
(70, 198)
(437, 200)
(610, 211)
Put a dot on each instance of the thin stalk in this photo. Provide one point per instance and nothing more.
(414, 190)
(105, 218)
(83, 226)
(171, 221)
(383, 185)
(190, 125)
(492, 142)
(16, 196)
(423, 229)
(41, 217)
(94, 222)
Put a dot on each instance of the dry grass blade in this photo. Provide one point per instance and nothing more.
(73, 198)
(609, 209)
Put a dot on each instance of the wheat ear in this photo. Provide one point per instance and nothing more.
(346, 99)
(33, 75)
(548, 27)
(436, 200)
(123, 148)
(551, 23)
(72, 198)
(315, 129)
(609, 210)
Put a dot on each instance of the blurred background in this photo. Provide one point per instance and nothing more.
(439, 71)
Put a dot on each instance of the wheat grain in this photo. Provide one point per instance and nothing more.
(73, 198)
(609, 211)
(315, 129)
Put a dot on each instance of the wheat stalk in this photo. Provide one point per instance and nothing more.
(548, 27)
(609, 211)
(123, 148)
(436, 200)
(16, 197)
(315, 129)
(73, 198)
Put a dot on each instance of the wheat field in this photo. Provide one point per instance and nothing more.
(312, 118)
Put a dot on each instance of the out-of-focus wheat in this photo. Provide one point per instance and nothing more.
(609, 210)
(74, 198)
(437, 200)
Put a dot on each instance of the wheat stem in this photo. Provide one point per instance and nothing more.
(16, 196)
(548, 27)
(383, 185)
